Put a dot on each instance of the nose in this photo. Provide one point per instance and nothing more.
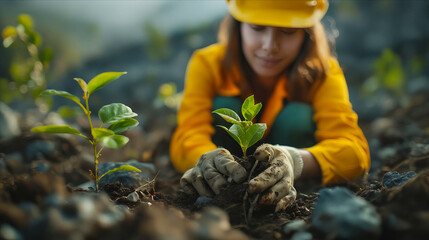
(270, 41)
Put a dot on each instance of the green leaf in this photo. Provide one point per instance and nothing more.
(228, 115)
(46, 55)
(57, 129)
(248, 103)
(102, 79)
(252, 111)
(26, 21)
(255, 133)
(9, 31)
(121, 168)
(234, 134)
(82, 84)
(114, 141)
(101, 132)
(35, 38)
(115, 112)
(249, 109)
(62, 94)
(238, 131)
(123, 124)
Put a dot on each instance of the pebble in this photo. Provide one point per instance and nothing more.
(9, 233)
(39, 149)
(130, 179)
(339, 210)
(133, 197)
(302, 236)
(9, 126)
(202, 201)
(394, 179)
(294, 226)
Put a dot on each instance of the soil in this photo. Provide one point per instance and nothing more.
(408, 203)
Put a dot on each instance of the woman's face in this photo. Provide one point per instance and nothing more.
(270, 50)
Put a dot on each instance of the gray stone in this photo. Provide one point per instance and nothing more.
(130, 179)
(302, 236)
(41, 166)
(9, 232)
(294, 226)
(88, 186)
(339, 210)
(9, 124)
(133, 197)
(419, 149)
(202, 201)
(393, 179)
(39, 149)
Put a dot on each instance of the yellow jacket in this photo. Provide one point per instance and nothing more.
(341, 150)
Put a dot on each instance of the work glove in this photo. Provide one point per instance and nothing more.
(277, 180)
(212, 172)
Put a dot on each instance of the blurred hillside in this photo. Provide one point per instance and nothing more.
(381, 45)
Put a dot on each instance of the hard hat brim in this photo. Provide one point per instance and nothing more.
(279, 13)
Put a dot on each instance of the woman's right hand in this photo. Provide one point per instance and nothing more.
(212, 172)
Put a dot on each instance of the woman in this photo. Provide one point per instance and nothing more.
(278, 52)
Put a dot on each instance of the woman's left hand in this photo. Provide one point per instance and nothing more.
(285, 166)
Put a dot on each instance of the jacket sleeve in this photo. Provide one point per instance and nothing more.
(192, 136)
(342, 150)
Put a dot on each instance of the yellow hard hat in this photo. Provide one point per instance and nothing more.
(279, 13)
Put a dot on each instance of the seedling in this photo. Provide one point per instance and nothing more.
(117, 115)
(246, 133)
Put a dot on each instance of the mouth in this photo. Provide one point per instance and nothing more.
(268, 61)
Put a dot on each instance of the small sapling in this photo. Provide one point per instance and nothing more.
(245, 133)
(118, 116)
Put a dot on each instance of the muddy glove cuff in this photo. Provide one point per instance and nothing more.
(297, 162)
(276, 182)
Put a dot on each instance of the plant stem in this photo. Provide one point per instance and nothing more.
(94, 145)
(244, 149)
(93, 142)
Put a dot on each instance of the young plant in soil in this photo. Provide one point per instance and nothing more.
(245, 133)
(117, 115)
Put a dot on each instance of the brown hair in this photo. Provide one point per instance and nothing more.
(309, 68)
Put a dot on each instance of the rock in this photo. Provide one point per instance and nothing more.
(9, 124)
(339, 210)
(9, 232)
(79, 216)
(36, 186)
(294, 226)
(39, 149)
(133, 197)
(87, 186)
(213, 223)
(419, 149)
(393, 179)
(53, 200)
(302, 236)
(129, 179)
(41, 166)
(202, 201)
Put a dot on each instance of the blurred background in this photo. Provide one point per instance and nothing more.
(382, 46)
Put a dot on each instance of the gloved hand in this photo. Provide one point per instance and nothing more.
(285, 166)
(212, 172)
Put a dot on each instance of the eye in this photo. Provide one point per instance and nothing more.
(257, 27)
(288, 31)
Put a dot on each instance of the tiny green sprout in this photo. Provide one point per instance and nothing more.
(246, 133)
(118, 116)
